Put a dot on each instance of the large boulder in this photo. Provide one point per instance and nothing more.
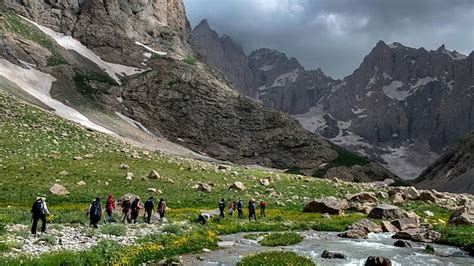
(386, 212)
(330, 205)
(332, 255)
(410, 193)
(356, 233)
(397, 198)
(265, 182)
(363, 197)
(202, 187)
(367, 225)
(421, 234)
(428, 196)
(462, 216)
(239, 186)
(406, 223)
(378, 261)
(388, 227)
(402, 244)
(58, 190)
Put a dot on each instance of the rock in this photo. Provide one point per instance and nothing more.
(153, 175)
(410, 193)
(402, 244)
(77, 158)
(89, 156)
(124, 166)
(330, 205)
(367, 225)
(64, 173)
(388, 227)
(265, 182)
(239, 186)
(363, 197)
(386, 212)
(332, 255)
(59, 190)
(397, 198)
(81, 183)
(129, 176)
(356, 233)
(381, 194)
(206, 250)
(406, 223)
(223, 244)
(326, 215)
(421, 234)
(462, 216)
(224, 167)
(428, 213)
(152, 190)
(202, 187)
(378, 261)
(428, 196)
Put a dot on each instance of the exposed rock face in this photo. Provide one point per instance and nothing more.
(453, 171)
(329, 205)
(462, 216)
(386, 212)
(402, 105)
(406, 223)
(110, 28)
(225, 55)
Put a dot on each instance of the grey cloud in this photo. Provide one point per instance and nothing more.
(336, 34)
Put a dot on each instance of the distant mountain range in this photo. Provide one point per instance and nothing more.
(402, 106)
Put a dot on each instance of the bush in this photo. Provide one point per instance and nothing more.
(429, 249)
(281, 239)
(252, 236)
(271, 258)
(190, 60)
(113, 229)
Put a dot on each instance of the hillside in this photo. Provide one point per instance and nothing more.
(453, 171)
(155, 92)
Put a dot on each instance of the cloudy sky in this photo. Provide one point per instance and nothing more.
(336, 34)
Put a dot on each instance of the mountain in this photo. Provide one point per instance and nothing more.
(453, 171)
(402, 106)
(127, 68)
(224, 54)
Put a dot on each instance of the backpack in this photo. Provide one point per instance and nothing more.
(95, 209)
(263, 204)
(239, 205)
(221, 205)
(38, 208)
(134, 205)
(149, 204)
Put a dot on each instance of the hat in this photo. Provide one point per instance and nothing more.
(137, 197)
(39, 198)
(127, 197)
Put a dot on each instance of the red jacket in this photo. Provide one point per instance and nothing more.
(110, 204)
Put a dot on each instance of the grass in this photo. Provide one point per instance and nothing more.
(15, 25)
(276, 258)
(281, 239)
(49, 239)
(190, 60)
(252, 236)
(344, 158)
(113, 229)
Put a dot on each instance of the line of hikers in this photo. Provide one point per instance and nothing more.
(131, 210)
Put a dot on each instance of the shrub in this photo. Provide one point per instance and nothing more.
(281, 239)
(190, 60)
(429, 249)
(113, 229)
(252, 236)
(271, 258)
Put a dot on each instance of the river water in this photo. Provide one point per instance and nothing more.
(356, 251)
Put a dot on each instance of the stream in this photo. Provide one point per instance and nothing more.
(234, 247)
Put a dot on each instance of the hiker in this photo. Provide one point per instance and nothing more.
(39, 212)
(221, 208)
(231, 208)
(149, 206)
(110, 207)
(126, 209)
(203, 217)
(240, 209)
(162, 209)
(263, 206)
(252, 210)
(135, 209)
(95, 212)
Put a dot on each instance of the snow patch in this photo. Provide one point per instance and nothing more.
(67, 42)
(386, 76)
(38, 84)
(450, 85)
(392, 91)
(133, 123)
(151, 49)
(287, 77)
(266, 67)
(454, 55)
(313, 120)
(369, 93)
(358, 110)
(422, 82)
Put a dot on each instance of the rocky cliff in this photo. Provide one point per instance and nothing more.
(132, 61)
(453, 171)
(402, 106)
